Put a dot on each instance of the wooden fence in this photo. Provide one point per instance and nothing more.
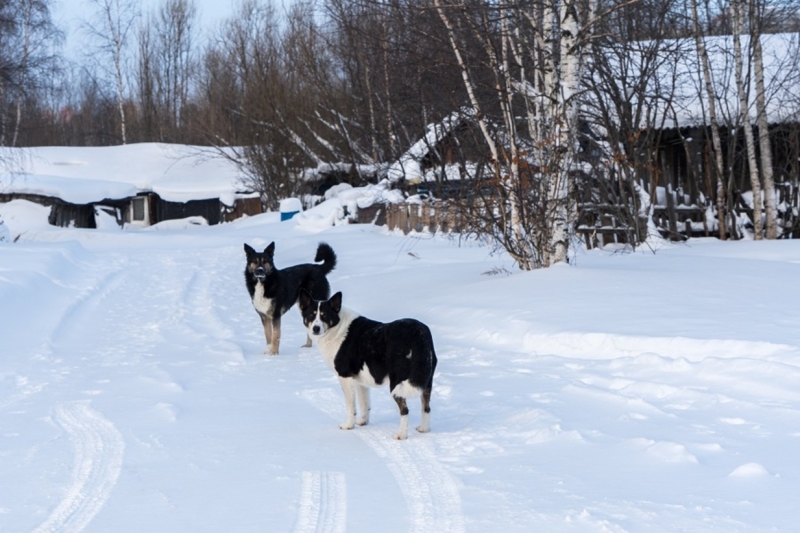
(427, 216)
(598, 224)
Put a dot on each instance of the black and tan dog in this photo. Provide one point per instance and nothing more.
(365, 353)
(274, 291)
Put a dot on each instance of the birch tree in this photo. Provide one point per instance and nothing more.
(536, 59)
(28, 60)
(763, 124)
(752, 163)
(711, 100)
(110, 30)
(166, 59)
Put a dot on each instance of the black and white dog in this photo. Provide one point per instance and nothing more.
(274, 291)
(365, 353)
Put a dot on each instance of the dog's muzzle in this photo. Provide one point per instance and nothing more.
(260, 273)
(316, 330)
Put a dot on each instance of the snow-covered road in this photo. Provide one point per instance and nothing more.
(611, 396)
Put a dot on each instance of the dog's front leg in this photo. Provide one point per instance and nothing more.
(348, 388)
(267, 324)
(363, 405)
(308, 341)
(276, 335)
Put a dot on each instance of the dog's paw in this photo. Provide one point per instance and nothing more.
(363, 421)
(400, 436)
(346, 425)
(423, 429)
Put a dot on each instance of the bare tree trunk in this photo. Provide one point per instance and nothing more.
(763, 136)
(120, 94)
(714, 124)
(468, 85)
(27, 16)
(524, 260)
(3, 121)
(371, 107)
(113, 21)
(755, 182)
(116, 35)
(571, 67)
(389, 115)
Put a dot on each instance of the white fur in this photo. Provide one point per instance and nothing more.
(405, 389)
(262, 304)
(331, 340)
(364, 405)
(349, 390)
(402, 433)
(425, 425)
(365, 378)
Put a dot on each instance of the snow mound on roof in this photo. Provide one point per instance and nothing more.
(177, 173)
(73, 190)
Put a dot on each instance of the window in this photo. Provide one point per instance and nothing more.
(138, 211)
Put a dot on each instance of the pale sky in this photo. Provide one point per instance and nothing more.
(69, 14)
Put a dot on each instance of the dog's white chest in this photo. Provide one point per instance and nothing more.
(332, 340)
(262, 304)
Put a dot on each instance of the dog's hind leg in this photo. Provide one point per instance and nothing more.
(363, 405)
(349, 390)
(267, 324)
(425, 426)
(402, 433)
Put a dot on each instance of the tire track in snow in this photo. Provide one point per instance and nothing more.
(323, 503)
(431, 493)
(202, 307)
(99, 448)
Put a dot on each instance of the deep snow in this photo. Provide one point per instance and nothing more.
(627, 392)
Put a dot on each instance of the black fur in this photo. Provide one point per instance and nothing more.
(384, 348)
(392, 352)
(280, 288)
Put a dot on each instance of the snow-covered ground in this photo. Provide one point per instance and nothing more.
(627, 392)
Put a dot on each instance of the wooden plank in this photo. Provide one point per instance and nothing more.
(673, 222)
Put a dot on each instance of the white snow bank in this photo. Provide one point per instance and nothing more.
(342, 203)
(609, 346)
(749, 470)
(20, 216)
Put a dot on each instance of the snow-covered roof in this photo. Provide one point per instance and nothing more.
(73, 190)
(677, 89)
(177, 173)
(409, 165)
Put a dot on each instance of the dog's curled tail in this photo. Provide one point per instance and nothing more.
(327, 256)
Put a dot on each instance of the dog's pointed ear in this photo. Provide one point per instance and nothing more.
(249, 250)
(304, 300)
(336, 302)
(270, 250)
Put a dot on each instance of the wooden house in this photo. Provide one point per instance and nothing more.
(137, 185)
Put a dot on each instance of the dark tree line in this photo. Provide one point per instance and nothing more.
(349, 85)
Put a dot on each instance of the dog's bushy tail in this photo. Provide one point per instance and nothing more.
(327, 256)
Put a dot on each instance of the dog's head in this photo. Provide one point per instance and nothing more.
(260, 264)
(319, 315)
